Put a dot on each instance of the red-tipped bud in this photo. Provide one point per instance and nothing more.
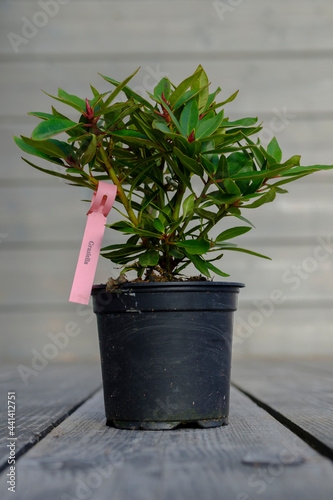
(191, 137)
(90, 113)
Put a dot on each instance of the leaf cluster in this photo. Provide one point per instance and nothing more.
(180, 165)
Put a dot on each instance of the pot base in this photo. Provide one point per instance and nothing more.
(165, 426)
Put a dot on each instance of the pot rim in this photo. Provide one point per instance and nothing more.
(169, 284)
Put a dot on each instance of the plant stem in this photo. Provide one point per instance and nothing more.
(113, 176)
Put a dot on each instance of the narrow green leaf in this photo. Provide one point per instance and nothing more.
(43, 116)
(199, 263)
(216, 270)
(207, 127)
(189, 118)
(119, 87)
(243, 250)
(188, 162)
(90, 151)
(76, 180)
(244, 122)
(159, 226)
(127, 228)
(231, 187)
(80, 103)
(182, 87)
(266, 198)
(66, 101)
(201, 84)
(48, 147)
(51, 127)
(188, 205)
(232, 233)
(33, 151)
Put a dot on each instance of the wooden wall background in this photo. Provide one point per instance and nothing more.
(278, 53)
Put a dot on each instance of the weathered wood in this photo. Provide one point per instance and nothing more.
(303, 87)
(253, 456)
(44, 397)
(187, 26)
(301, 395)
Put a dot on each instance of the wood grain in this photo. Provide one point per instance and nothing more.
(252, 456)
(44, 397)
(200, 27)
(302, 395)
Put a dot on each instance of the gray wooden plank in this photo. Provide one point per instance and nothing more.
(304, 396)
(45, 395)
(253, 456)
(33, 328)
(297, 85)
(198, 26)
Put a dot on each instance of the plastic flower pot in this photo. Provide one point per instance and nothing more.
(166, 353)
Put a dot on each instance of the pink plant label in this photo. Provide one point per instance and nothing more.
(101, 205)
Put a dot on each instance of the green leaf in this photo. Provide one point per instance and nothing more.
(163, 87)
(50, 148)
(231, 187)
(194, 247)
(43, 116)
(131, 137)
(199, 263)
(119, 87)
(244, 122)
(266, 198)
(230, 99)
(90, 152)
(207, 127)
(182, 87)
(76, 180)
(188, 162)
(208, 165)
(216, 270)
(52, 127)
(159, 226)
(274, 150)
(189, 94)
(201, 84)
(188, 205)
(127, 228)
(189, 118)
(243, 250)
(77, 101)
(66, 101)
(149, 258)
(36, 152)
(128, 91)
(232, 233)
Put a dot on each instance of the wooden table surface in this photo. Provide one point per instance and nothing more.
(278, 444)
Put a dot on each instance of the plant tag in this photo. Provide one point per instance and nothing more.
(101, 205)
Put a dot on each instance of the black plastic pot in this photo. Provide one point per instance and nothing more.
(166, 353)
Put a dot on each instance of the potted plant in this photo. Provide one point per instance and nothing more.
(181, 168)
